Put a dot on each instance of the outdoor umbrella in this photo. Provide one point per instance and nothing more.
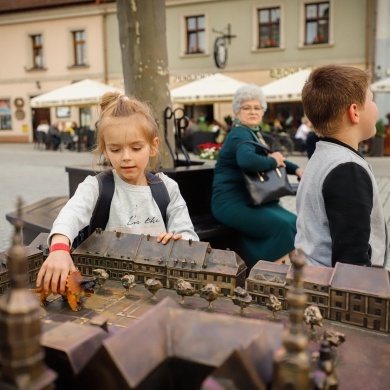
(286, 89)
(381, 85)
(82, 93)
(214, 88)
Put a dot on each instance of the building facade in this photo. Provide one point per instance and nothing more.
(55, 43)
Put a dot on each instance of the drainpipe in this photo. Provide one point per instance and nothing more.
(104, 29)
(371, 33)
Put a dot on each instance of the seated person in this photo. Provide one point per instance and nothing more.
(268, 230)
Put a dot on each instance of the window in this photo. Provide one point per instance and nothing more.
(314, 299)
(269, 27)
(339, 304)
(339, 293)
(378, 300)
(378, 312)
(358, 296)
(196, 35)
(317, 23)
(37, 51)
(356, 308)
(5, 114)
(79, 48)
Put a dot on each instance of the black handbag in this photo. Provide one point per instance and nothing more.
(264, 187)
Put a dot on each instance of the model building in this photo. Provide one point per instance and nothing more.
(350, 294)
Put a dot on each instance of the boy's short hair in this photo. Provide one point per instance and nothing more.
(329, 92)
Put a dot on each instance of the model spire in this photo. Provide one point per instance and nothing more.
(21, 355)
(292, 361)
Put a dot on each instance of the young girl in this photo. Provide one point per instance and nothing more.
(127, 139)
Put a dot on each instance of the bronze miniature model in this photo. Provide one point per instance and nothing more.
(210, 293)
(241, 298)
(292, 360)
(101, 276)
(153, 285)
(274, 304)
(128, 282)
(76, 287)
(21, 354)
(184, 289)
(335, 338)
(324, 377)
(313, 317)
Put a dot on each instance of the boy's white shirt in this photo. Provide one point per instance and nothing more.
(133, 210)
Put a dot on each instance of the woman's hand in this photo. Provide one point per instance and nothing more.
(279, 158)
(165, 237)
(299, 173)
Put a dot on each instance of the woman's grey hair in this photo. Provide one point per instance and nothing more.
(248, 92)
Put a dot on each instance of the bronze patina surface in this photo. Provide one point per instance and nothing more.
(361, 362)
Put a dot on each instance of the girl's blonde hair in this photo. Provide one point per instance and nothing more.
(117, 105)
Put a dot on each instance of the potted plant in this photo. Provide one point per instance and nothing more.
(378, 142)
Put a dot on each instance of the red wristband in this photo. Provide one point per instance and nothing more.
(59, 247)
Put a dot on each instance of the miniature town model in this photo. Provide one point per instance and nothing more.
(171, 347)
(335, 291)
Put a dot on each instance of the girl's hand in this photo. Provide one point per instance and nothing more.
(279, 158)
(55, 271)
(165, 237)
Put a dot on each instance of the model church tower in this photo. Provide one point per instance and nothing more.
(21, 355)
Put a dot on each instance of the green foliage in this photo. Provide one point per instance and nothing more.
(380, 129)
(228, 120)
(265, 127)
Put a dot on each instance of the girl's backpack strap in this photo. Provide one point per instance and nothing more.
(106, 192)
(160, 194)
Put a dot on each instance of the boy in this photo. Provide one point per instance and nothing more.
(340, 217)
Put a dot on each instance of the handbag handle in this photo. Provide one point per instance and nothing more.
(254, 143)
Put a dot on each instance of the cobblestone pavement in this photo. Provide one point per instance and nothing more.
(36, 174)
(32, 175)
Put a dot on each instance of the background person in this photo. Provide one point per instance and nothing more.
(127, 139)
(54, 136)
(268, 231)
(301, 134)
(311, 142)
(340, 215)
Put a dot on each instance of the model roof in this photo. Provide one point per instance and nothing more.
(314, 274)
(266, 270)
(361, 280)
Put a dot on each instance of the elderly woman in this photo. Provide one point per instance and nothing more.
(268, 231)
